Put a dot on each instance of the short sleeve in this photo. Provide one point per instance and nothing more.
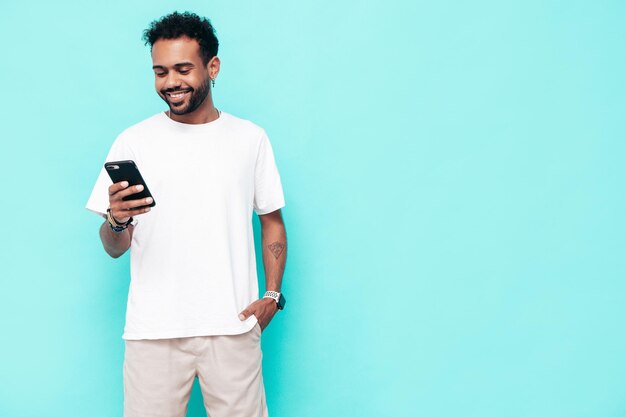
(268, 190)
(99, 199)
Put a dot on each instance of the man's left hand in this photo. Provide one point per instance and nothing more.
(264, 310)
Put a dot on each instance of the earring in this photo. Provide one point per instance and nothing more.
(213, 82)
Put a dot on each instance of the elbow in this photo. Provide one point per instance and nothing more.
(115, 251)
(112, 252)
(114, 255)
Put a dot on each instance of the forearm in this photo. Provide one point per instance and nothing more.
(115, 244)
(274, 241)
(274, 238)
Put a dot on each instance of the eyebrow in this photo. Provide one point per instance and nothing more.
(179, 65)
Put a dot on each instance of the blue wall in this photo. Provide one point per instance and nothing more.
(453, 173)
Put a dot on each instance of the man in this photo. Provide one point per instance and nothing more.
(193, 307)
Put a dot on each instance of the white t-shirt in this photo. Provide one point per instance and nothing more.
(193, 266)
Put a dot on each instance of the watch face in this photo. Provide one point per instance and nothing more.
(281, 302)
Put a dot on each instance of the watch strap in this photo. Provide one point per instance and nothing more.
(276, 296)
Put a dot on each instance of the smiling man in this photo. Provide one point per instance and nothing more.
(193, 305)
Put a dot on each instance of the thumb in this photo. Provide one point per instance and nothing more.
(245, 314)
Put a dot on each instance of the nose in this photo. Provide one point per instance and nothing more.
(172, 81)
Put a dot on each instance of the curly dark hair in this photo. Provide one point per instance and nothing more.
(176, 25)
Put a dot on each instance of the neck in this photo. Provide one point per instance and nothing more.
(206, 113)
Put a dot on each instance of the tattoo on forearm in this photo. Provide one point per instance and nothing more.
(276, 248)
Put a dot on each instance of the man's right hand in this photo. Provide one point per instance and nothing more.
(122, 210)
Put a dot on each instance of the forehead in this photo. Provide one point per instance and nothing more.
(169, 52)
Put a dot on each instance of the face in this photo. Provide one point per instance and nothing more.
(181, 78)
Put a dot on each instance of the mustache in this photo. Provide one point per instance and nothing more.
(175, 90)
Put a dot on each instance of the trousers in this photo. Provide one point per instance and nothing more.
(159, 374)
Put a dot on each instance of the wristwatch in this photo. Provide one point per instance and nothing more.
(276, 296)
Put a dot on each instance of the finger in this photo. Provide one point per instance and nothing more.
(126, 192)
(245, 314)
(118, 186)
(132, 204)
(122, 214)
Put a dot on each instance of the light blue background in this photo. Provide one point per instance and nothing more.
(453, 173)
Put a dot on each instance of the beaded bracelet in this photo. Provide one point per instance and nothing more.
(115, 226)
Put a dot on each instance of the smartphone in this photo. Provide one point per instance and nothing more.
(128, 171)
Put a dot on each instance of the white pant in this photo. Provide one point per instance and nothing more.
(159, 374)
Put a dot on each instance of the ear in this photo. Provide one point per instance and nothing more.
(213, 67)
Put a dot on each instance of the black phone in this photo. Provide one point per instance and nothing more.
(128, 171)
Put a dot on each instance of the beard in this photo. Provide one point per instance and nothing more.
(196, 98)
